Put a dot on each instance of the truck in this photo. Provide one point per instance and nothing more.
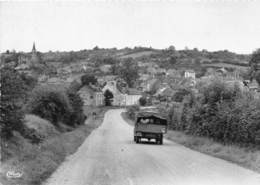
(150, 124)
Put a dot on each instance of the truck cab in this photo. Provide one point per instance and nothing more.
(150, 125)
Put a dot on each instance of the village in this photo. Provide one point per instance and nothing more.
(157, 84)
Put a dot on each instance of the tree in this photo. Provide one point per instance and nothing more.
(88, 79)
(173, 60)
(255, 64)
(154, 87)
(129, 72)
(180, 94)
(115, 68)
(77, 116)
(51, 103)
(172, 48)
(257, 77)
(13, 93)
(142, 101)
(108, 97)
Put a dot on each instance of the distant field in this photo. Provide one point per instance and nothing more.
(138, 54)
(225, 65)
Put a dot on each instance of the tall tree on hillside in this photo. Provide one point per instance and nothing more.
(129, 72)
(115, 68)
(13, 93)
(255, 65)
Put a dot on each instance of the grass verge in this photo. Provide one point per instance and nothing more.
(37, 162)
(247, 157)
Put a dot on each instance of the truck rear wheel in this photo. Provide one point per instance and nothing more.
(161, 141)
(138, 139)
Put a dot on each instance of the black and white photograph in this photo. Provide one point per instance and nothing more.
(130, 92)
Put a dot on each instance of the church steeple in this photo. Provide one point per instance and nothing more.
(33, 49)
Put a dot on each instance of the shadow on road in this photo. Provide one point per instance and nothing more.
(148, 143)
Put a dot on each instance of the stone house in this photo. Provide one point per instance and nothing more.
(190, 74)
(131, 97)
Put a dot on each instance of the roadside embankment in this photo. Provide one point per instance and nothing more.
(31, 164)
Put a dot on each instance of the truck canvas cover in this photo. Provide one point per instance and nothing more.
(151, 113)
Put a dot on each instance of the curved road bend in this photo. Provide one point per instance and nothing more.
(110, 157)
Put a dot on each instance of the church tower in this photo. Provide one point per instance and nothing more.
(34, 49)
(35, 59)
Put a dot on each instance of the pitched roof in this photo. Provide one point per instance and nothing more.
(165, 91)
(153, 112)
(132, 91)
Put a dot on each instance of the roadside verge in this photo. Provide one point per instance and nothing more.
(35, 163)
(246, 157)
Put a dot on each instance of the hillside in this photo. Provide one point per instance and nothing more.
(166, 58)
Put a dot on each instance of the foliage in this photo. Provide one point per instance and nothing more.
(180, 94)
(255, 65)
(115, 69)
(50, 103)
(255, 59)
(108, 97)
(57, 105)
(75, 86)
(77, 116)
(88, 79)
(220, 111)
(132, 110)
(154, 87)
(13, 94)
(257, 77)
(129, 72)
(142, 101)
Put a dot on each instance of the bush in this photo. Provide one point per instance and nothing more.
(142, 101)
(50, 103)
(131, 111)
(180, 94)
(77, 116)
(37, 129)
(57, 105)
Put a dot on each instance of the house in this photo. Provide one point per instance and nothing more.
(152, 83)
(165, 91)
(131, 97)
(144, 77)
(54, 80)
(103, 79)
(190, 74)
(173, 73)
(221, 72)
(117, 95)
(253, 86)
(151, 70)
(105, 68)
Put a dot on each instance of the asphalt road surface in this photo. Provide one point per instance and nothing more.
(110, 157)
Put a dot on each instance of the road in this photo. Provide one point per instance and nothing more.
(110, 157)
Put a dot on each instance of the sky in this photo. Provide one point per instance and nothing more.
(65, 26)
